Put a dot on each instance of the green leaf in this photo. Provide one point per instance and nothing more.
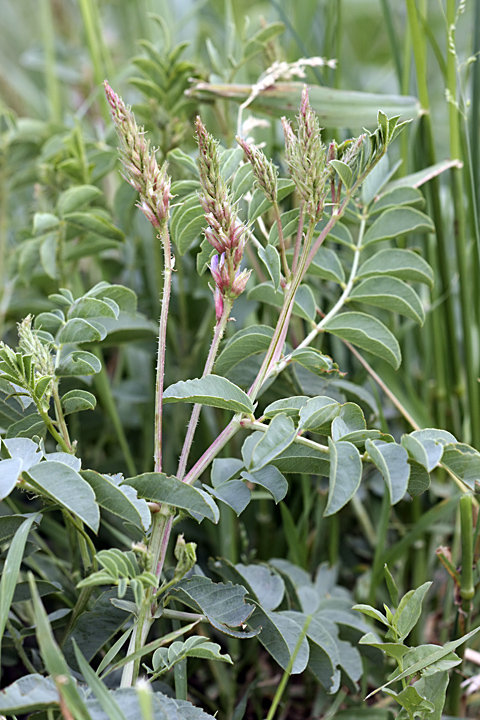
(271, 479)
(396, 197)
(395, 650)
(233, 493)
(271, 259)
(242, 182)
(266, 585)
(344, 172)
(426, 452)
(410, 699)
(260, 204)
(289, 227)
(280, 434)
(222, 604)
(261, 38)
(230, 160)
(367, 333)
(210, 390)
(23, 590)
(302, 459)
(373, 613)
(185, 161)
(49, 321)
(76, 197)
(419, 480)
(121, 500)
(90, 307)
(403, 264)
(391, 294)
(334, 108)
(350, 419)
(187, 223)
(43, 222)
(314, 360)
(338, 233)
(195, 646)
(65, 487)
(78, 331)
(464, 462)
(289, 406)
(224, 469)
(345, 475)
(409, 610)
(105, 698)
(78, 400)
(243, 344)
(49, 253)
(28, 694)
(11, 569)
(419, 178)
(397, 221)
(90, 222)
(161, 488)
(318, 413)
(10, 471)
(123, 297)
(304, 305)
(392, 461)
(327, 265)
(279, 636)
(77, 363)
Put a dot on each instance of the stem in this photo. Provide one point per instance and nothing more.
(192, 425)
(298, 240)
(52, 430)
(61, 418)
(96, 47)
(381, 546)
(19, 647)
(162, 338)
(281, 242)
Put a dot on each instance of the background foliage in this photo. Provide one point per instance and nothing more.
(68, 221)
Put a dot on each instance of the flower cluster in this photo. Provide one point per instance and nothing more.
(141, 168)
(264, 170)
(225, 231)
(305, 156)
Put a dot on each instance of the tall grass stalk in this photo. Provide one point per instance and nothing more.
(51, 77)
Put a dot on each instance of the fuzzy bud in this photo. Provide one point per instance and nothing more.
(264, 170)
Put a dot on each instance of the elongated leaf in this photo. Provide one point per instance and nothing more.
(94, 223)
(280, 434)
(271, 259)
(303, 459)
(392, 461)
(271, 479)
(344, 172)
(368, 333)
(11, 569)
(391, 294)
(403, 264)
(415, 180)
(76, 197)
(396, 197)
(105, 698)
(64, 486)
(289, 406)
(409, 610)
(223, 604)
(121, 500)
(335, 108)
(279, 635)
(397, 221)
(242, 345)
(54, 660)
(161, 488)
(210, 390)
(9, 474)
(314, 360)
(345, 475)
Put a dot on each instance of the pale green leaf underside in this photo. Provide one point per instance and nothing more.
(210, 390)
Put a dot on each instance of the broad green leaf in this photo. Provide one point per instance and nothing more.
(267, 585)
(77, 363)
(314, 360)
(289, 226)
(395, 650)
(403, 264)
(49, 321)
(121, 500)
(195, 646)
(327, 265)
(392, 461)
(415, 180)
(397, 221)
(90, 222)
(345, 475)
(76, 197)
(280, 434)
(11, 569)
(30, 426)
(391, 294)
(43, 222)
(105, 698)
(188, 219)
(439, 436)
(318, 413)
(435, 688)
(210, 390)
(123, 297)
(304, 305)
(78, 400)
(334, 108)
(303, 459)
(233, 493)
(161, 488)
(9, 525)
(410, 699)
(260, 204)
(409, 610)
(426, 452)
(344, 172)
(10, 471)
(49, 254)
(243, 181)
(224, 469)
(243, 344)
(126, 329)
(223, 604)
(78, 331)
(279, 635)
(271, 479)
(230, 160)
(289, 406)
(396, 197)
(422, 651)
(464, 462)
(54, 661)
(358, 437)
(90, 307)
(28, 694)
(271, 259)
(65, 487)
(339, 232)
(367, 333)
(350, 419)
(185, 161)
(419, 480)
(372, 612)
